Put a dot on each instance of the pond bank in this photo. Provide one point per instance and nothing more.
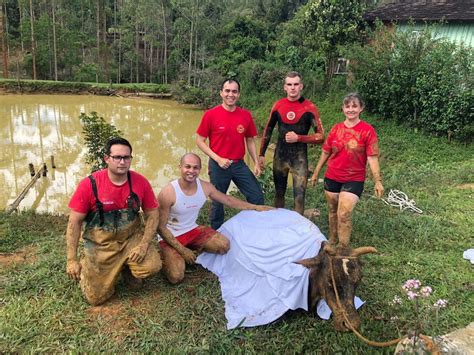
(13, 86)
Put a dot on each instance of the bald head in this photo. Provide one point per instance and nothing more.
(190, 158)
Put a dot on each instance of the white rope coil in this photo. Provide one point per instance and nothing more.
(397, 198)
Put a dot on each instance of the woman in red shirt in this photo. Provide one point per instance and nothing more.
(347, 149)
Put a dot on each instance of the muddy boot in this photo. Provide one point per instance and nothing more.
(131, 281)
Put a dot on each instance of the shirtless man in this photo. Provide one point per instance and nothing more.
(180, 202)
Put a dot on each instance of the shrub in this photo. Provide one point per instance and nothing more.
(96, 133)
(424, 82)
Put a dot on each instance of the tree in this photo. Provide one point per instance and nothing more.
(33, 43)
(3, 37)
(318, 30)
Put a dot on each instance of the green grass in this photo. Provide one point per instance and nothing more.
(56, 87)
(43, 311)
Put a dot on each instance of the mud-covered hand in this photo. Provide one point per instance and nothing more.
(314, 179)
(188, 255)
(73, 269)
(378, 189)
(138, 253)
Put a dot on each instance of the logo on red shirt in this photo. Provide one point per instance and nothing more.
(240, 129)
(290, 115)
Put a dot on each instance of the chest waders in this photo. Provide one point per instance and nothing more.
(114, 226)
(108, 239)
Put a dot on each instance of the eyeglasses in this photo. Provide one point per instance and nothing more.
(119, 158)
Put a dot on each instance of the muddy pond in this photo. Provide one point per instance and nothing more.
(36, 127)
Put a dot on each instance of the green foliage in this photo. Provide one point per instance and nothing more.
(266, 182)
(96, 133)
(43, 86)
(313, 37)
(48, 86)
(188, 94)
(424, 82)
(240, 40)
(85, 72)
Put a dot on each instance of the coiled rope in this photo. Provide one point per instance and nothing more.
(397, 198)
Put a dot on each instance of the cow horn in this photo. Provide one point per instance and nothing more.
(363, 250)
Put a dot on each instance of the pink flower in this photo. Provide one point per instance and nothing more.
(426, 291)
(411, 285)
(412, 295)
(441, 303)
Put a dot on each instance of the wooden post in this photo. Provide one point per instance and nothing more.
(32, 169)
(45, 169)
(23, 193)
(53, 166)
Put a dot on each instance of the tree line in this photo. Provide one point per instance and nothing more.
(164, 41)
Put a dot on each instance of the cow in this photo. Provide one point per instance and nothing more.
(347, 274)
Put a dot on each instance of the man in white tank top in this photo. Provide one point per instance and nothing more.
(180, 202)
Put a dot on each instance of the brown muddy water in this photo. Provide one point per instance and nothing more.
(34, 127)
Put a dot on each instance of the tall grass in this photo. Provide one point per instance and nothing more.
(43, 311)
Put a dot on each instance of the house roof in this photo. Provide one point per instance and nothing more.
(427, 10)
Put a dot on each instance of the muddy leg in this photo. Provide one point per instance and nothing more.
(300, 181)
(173, 265)
(280, 178)
(332, 200)
(217, 244)
(347, 202)
(150, 265)
(100, 271)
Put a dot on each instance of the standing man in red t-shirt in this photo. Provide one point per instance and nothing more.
(229, 128)
(115, 241)
(294, 115)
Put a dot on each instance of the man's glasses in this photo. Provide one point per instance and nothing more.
(119, 158)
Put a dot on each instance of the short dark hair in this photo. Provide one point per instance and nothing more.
(114, 141)
(230, 80)
(353, 96)
(293, 74)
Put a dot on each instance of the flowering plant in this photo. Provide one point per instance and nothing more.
(421, 312)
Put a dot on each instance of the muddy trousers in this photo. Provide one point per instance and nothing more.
(299, 171)
(102, 264)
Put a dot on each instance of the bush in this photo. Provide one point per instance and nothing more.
(96, 133)
(85, 72)
(424, 82)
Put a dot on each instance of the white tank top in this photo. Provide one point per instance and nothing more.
(185, 211)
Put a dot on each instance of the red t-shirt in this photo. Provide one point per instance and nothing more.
(227, 131)
(349, 149)
(113, 197)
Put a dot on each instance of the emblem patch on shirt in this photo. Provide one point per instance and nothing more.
(290, 115)
(240, 128)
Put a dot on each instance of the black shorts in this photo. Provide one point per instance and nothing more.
(355, 187)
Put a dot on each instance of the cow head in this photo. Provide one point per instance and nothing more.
(347, 273)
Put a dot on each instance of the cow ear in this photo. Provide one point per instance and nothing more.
(329, 248)
(309, 263)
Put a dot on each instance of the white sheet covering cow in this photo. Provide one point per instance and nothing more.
(259, 280)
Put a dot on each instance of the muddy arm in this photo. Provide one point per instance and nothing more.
(73, 233)
(166, 199)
